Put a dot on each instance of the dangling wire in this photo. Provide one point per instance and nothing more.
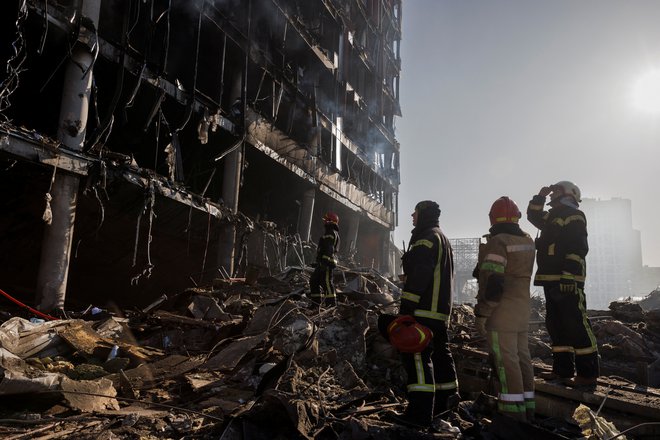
(40, 50)
(101, 133)
(149, 202)
(47, 216)
(15, 61)
(206, 247)
(167, 36)
(193, 92)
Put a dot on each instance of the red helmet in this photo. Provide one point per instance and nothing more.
(331, 217)
(504, 210)
(408, 335)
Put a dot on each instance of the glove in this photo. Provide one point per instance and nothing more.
(406, 308)
(567, 283)
(384, 321)
(543, 192)
(480, 325)
(494, 288)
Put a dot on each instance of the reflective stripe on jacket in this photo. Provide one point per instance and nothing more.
(429, 268)
(562, 245)
(510, 257)
(328, 246)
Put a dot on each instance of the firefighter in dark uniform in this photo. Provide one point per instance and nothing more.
(321, 284)
(561, 251)
(428, 265)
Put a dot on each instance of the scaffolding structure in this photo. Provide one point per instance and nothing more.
(466, 255)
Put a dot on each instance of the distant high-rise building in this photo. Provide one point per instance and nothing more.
(614, 262)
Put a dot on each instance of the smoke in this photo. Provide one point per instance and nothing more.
(193, 7)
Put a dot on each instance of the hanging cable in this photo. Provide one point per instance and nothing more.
(137, 19)
(632, 428)
(47, 216)
(206, 246)
(149, 202)
(108, 122)
(40, 49)
(233, 148)
(15, 61)
(167, 37)
(193, 92)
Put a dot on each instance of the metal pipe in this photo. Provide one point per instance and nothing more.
(307, 211)
(350, 237)
(58, 236)
(233, 167)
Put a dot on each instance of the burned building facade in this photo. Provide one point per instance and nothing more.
(149, 145)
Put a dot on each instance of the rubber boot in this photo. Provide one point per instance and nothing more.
(419, 412)
(587, 365)
(530, 415)
(562, 364)
(530, 409)
(445, 400)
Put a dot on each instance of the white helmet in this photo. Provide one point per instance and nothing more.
(566, 188)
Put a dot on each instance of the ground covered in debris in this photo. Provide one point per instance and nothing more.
(257, 360)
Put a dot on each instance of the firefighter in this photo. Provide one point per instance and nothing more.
(561, 250)
(504, 271)
(322, 278)
(428, 266)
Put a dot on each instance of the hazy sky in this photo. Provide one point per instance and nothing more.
(501, 97)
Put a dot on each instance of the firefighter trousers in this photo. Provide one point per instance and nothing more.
(574, 348)
(515, 374)
(431, 375)
(322, 286)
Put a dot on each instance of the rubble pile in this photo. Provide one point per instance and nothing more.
(242, 359)
(256, 359)
(628, 339)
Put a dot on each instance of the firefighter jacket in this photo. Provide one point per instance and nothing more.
(506, 262)
(562, 245)
(328, 246)
(429, 268)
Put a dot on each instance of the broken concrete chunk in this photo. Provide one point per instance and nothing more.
(205, 307)
(294, 336)
(78, 395)
(626, 311)
(651, 301)
(23, 382)
(229, 357)
(266, 316)
(25, 339)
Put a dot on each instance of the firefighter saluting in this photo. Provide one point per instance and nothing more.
(322, 278)
(425, 309)
(561, 251)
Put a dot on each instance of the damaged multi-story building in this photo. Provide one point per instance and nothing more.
(149, 145)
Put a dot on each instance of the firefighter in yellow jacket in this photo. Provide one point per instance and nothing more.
(561, 251)
(504, 271)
